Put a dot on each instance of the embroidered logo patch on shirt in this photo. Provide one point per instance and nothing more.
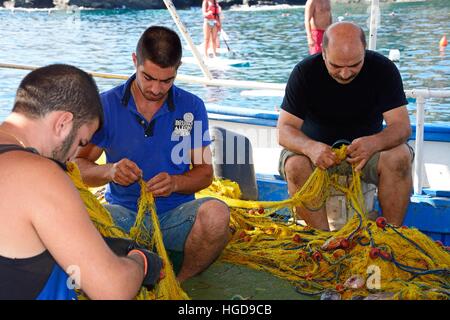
(183, 127)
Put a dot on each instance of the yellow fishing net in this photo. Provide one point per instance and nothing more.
(168, 288)
(362, 260)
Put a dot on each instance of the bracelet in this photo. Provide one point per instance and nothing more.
(143, 256)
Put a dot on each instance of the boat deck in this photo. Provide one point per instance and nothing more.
(224, 281)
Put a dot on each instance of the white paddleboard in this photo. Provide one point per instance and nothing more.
(219, 62)
(200, 48)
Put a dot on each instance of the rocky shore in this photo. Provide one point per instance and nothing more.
(155, 4)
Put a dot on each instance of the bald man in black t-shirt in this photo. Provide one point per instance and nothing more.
(345, 93)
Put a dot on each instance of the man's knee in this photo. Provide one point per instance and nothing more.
(214, 215)
(297, 166)
(397, 161)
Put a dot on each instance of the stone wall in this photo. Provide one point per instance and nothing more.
(134, 4)
(159, 4)
(108, 4)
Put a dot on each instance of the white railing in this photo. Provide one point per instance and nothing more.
(260, 88)
(180, 78)
(421, 95)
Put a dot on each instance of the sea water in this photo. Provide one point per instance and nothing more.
(273, 41)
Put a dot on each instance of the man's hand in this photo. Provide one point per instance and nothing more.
(120, 246)
(360, 151)
(125, 172)
(161, 185)
(153, 263)
(311, 41)
(153, 267)
(322, 155)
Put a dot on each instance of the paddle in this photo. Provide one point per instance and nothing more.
(225, 38)
(224, 35)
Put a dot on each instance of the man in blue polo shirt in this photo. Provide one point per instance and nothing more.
(157, 131)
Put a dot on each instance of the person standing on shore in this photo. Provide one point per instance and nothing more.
(317, 19)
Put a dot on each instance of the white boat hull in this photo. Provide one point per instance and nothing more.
(266, 151)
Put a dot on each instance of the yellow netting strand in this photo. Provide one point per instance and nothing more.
(168, 287)
(409, 264)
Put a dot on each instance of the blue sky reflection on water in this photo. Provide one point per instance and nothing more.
(273, 41)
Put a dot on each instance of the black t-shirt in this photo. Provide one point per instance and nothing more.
(333, 111)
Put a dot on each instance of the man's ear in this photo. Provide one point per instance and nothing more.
(63, 123)
(134, 57)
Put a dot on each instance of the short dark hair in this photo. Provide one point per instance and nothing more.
(362, 37)
(59, 87)
(161, 46)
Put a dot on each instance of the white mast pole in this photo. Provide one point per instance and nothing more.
(374, 19)
(187, 37)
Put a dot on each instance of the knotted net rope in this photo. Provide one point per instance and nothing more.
(168, 288)
(364, 259)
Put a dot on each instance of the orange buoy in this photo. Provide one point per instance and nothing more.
(443, 42)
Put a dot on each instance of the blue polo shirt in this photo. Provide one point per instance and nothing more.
(161, 145)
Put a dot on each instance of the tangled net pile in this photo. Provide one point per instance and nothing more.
(362, 260)
(168, 288)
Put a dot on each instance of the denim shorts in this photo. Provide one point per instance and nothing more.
(176, 224)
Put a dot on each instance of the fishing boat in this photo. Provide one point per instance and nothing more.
(428, 211)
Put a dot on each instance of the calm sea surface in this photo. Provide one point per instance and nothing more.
(273, 41)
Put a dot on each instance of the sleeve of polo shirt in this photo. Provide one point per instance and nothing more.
(294, 99)
(201, 125)
(100, 138)
(391, 94)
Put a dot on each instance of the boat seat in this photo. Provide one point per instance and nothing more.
(232, 156)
